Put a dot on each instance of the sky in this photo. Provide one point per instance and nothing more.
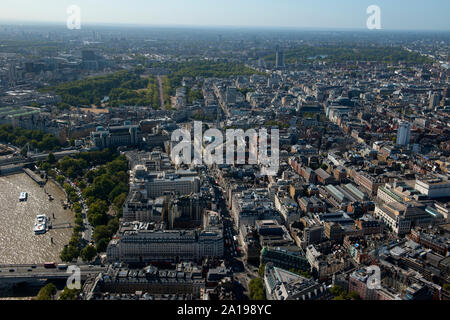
(323, 14)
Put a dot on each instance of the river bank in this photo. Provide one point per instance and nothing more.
(18, 243)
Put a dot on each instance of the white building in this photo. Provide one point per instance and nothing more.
(403, 133)
(433, 187)
(137, 243)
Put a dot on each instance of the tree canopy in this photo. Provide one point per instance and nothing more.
(36, 138)
(47, 292)
(256, 288)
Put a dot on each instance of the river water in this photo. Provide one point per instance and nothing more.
(18, 243)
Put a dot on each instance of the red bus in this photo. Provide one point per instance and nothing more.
(49, 265)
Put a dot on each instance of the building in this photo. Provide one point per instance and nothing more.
(358, 283)
(138, 243)
(157, 184)
(288, 208)
(185, 281)
(279, 59)
(281, 284)
(286, 257)
(436, 242)
(433, 186)
(434, 100)
(323, 177)
(369, 225)
(403, 133)
(312, 204)
(248, 206)
(391, 215)
(307, 231)
(138, 207)
(398, 208)
(369, 182)
(333, 231)
(271, 233)
(116, 136)
(325, 262)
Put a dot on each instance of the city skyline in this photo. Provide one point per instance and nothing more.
(326, 14)
(254, 151)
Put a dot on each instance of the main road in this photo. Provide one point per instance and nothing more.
(37, 271)
(161, 92)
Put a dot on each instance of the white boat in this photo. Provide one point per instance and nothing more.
(23, 196)
(40, 224)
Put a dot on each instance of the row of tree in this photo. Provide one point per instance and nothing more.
(102, 178)
(49, 291)
(36, 138)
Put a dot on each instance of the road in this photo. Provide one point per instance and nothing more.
(161, 92)
(232, 255)
(37, 157)
(39, 271)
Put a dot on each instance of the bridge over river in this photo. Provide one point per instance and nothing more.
(11, 274)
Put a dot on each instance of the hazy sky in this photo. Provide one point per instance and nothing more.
(395, 14)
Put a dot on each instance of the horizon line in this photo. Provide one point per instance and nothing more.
(200, 26)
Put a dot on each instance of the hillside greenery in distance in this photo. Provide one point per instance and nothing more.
(122, 87)
(351, 54)
(198, 68)
(130, 88)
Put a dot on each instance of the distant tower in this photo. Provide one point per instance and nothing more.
(261, 63)
(434, 100)
(279, 58)
(447, 92)
(403, 133)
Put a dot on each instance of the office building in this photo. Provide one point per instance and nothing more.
(403, 133)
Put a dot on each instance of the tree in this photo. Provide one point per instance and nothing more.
(353, 295)
(102, 244)
(101, 232)
(60, 179)
(256, 288)
(300, 272)
(45, 166)
(69, 294)
(77, 207)
(97, 212)
(88, 253)
(47, 292)
(118, 190)
(24, 152)
(69, 253)
(113, 226)
(119, 164)
(261, 269)
(51, 158)
(336, 290)
(119, 201)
